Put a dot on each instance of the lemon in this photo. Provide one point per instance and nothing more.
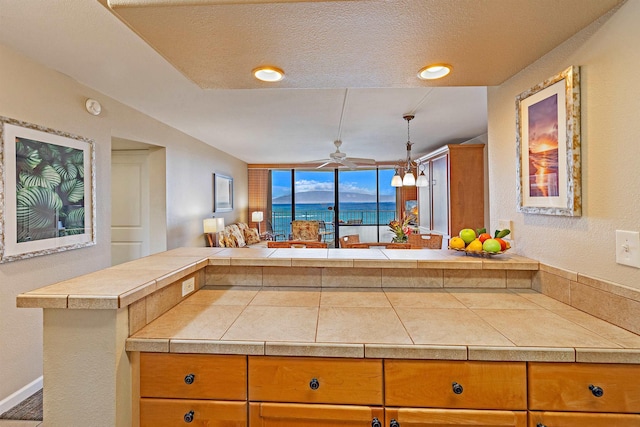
(474, 246)
(456, 243)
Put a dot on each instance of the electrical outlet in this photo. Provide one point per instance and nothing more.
(628, 248)
(188, 286)
(505, 223)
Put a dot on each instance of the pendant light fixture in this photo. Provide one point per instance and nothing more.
(407, 167)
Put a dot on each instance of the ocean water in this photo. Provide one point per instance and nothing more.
(366, 212)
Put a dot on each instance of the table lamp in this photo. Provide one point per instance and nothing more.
(257, 217)
(211, 228)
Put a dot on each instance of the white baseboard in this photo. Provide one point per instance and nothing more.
(20, 395)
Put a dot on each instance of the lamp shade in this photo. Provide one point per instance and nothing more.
(409, 179)
(257, 216)
(396, 181)
(422, 180)
(213, 225)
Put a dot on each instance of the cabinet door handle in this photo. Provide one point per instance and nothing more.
(457, 388)
(540, 425)
(375, 422)
(189, 379)
(394, 423)
(596, 391)
(188, 417)
(314, 384)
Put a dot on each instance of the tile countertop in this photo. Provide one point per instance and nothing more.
(453, 324)
(123, 284)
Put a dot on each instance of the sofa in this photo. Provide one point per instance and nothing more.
(240, 235)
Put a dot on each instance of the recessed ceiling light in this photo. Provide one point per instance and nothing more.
(434, 71)
(268, 74)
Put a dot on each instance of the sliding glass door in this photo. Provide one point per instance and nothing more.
(364, 203)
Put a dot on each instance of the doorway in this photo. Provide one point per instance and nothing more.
(138, 200)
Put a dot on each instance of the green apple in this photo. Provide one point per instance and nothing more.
(491, 245)
(468, 235)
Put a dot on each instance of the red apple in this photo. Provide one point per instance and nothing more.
(484, 236)
(503, 244)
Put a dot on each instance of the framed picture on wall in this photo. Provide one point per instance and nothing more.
(222, 193)
(47, 191)
(548, 146)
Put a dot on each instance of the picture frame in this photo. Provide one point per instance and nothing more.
(47, 191)
(548, 146)
(222, 193)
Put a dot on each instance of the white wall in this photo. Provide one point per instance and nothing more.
(608, 55)
(35, 94)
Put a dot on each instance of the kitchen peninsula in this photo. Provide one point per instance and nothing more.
(256, 327)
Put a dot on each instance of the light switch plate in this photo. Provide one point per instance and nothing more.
(188, 286)
(628, 248)
(505, 223)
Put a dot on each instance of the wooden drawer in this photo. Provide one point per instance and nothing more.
(566, 387)
(446, 384)
(172, 412)
(214, 377)
(344, 381)
(578, 419)
(312, 415)
(414, 417)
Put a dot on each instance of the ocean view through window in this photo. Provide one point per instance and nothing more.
(365, 203)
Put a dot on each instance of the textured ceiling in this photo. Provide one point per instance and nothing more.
(357, 43)
(188, 63)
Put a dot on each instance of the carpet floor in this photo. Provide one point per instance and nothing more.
(29, 409)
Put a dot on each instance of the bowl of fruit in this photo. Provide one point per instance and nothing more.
(480, 243)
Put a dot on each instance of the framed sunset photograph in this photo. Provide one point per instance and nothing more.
(548, 146)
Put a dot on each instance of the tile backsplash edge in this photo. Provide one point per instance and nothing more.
(609, 301)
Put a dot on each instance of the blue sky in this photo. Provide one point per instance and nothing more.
(350, 181)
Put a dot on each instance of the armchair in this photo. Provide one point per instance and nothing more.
(305, 230)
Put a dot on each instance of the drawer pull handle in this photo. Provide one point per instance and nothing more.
(189, 379)
(375, 422)
(540, 425)
(596, 391)
(188, 417)
(457, 388)
(314, 384)
(394, 423)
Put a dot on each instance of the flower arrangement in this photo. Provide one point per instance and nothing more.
(401, 229)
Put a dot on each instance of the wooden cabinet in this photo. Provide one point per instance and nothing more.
(454, 198)
(175, 412)
(266, 391)
(583, 394)
(193, 376)
(315, 380)
(584, 387)
(456, 384)
(195, 389)
(577, 419)
(416, 417)
(312, 415)
(456, 393)
(305, 388)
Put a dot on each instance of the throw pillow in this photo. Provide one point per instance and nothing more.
(251, 236)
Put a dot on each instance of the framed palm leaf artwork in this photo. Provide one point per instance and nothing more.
(47, 191)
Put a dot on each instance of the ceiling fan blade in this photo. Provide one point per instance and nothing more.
(360, 160)
(325, 164)
(349, 164)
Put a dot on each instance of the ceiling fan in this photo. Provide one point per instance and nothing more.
(338, 157)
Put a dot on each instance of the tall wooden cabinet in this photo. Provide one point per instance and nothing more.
(454, 198)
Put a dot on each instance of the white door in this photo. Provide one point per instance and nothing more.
(129, 205)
